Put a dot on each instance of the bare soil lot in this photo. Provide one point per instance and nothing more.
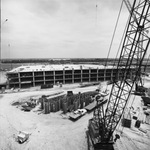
(51, 131)
(54, 131)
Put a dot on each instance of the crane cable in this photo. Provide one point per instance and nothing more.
(121, 40)
(113, 38)
(120, 43)
(113, 34)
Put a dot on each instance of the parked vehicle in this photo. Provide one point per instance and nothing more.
(77, 114)
(22, 137)
(80, 111)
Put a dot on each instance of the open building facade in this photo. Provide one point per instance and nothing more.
(30, 76)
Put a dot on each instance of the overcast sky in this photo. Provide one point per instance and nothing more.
(60, 28)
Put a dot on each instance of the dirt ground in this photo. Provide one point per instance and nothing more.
(51, 131)
(48, 131)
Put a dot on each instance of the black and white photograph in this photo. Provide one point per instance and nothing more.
(75, 75)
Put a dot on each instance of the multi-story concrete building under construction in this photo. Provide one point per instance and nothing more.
(30, 76)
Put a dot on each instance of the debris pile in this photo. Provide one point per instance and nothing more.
(27, 104)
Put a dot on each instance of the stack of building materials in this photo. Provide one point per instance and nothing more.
(91, 106)
(75, 104)
(146, 100)
(80, 100)
(3, 89)
(67, 102)
(46, 107)
(45, 86)
(51, 104)
(126, 120)
(146, 108)
(65, 106)
(41, 100)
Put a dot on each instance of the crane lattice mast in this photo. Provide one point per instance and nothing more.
(138, 26)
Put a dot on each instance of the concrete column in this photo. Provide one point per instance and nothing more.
(72, 75)
(97, 75)
(63, 75)
(105, 74)
(19, 80)
(81, 73)
(54, 77)
(111, 74)
(44, 77)
(89, 74)
(33, 78)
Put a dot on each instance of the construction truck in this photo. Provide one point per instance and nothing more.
(77, 114)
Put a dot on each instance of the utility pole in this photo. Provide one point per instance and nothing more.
(1, 43)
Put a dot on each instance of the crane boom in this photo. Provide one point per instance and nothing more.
(139, 80)
(121, 90)
(129, 7)
(123, 83)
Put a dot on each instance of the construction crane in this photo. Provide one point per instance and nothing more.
(139, 89)
(104, 122)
